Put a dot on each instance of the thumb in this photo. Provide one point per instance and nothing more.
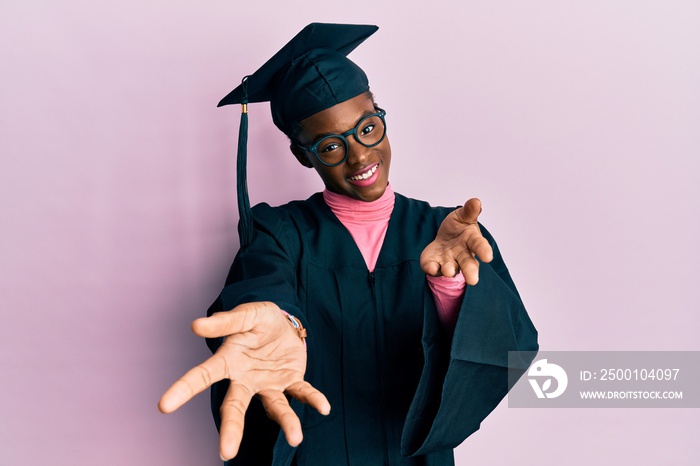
(469, 213)
(242, 318)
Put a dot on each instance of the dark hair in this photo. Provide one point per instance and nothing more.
(295, 128)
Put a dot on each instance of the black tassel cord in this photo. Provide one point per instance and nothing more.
(245, 221)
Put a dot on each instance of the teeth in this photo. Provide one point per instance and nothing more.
(365, 175)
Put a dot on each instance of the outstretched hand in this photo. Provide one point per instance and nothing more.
(261, 355)
(456, 244)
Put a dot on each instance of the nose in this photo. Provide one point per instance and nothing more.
(357, 153)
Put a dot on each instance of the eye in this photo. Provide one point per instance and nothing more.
(367, 129)
(330, 147)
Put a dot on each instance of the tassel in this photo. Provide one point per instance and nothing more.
(245, 216)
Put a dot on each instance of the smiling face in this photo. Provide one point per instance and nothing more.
(365, 173)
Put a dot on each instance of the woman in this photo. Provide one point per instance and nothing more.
(354, 299)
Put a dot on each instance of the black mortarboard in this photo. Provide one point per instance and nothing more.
(309, 74)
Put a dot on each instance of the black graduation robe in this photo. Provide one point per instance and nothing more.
(402, 391)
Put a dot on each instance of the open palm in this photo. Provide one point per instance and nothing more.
(261, 355)
(456, 244)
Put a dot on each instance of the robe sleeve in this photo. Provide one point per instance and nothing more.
(265, 271)
(464, 379)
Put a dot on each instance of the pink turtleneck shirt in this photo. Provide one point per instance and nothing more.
(367, 223)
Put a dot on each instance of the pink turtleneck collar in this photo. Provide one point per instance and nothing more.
(367, 222)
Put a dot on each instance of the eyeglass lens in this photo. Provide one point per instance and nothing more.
(368, 132)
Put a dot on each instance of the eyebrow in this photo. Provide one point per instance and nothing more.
(318, 137)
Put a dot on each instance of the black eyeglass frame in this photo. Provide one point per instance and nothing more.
(314, 149)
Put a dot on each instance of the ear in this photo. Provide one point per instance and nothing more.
(301, 156)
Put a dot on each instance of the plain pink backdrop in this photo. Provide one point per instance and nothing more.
(576, 123)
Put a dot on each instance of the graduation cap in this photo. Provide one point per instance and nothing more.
(308, 75)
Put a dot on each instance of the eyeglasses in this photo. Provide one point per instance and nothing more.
(332, 150)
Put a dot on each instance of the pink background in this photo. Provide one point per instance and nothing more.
(576, 123)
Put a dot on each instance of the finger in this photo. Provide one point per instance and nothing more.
(427, 263)
(469, 213)
(430, 267)
(449, 268)
(470, 268)
(233, 411)
(306, 393)
(240, 319)
(481, 247)
(193, 382)
(278, 409)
